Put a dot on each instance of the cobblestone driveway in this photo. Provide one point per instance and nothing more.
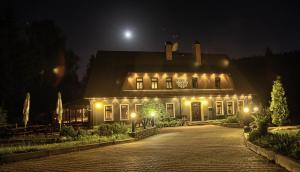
(198, 148)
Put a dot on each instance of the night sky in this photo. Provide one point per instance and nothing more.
(238, 29)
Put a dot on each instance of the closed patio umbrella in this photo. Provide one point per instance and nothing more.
(26, 108)
(59, 110)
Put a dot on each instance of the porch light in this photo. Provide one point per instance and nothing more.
(98, 105)
(255, 109)
(133, 115)
(187, 103)
(204, 102)
(165, 75)
(246, 109)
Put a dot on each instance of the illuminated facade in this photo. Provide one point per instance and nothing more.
(193, 86)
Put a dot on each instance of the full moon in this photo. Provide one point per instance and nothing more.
(128, 34)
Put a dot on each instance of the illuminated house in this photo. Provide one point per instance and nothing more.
(195, 86)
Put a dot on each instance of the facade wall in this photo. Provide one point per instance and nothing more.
(182, 106)
(205, 80)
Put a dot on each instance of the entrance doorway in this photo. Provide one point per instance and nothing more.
(196, 111)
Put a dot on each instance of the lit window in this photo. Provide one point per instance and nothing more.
(195, 82)
(139, 83)
(230, 108)
(240, 105)
(154, 83)
(169, 83)
(124, 111)
(170, 108)
(219, 108)
(218, 82)
(108, 113)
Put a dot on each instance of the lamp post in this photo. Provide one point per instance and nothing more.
(152, 115)
(133, 116)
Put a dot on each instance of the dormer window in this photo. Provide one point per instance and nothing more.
(169, 84)
(154, 83)
(218, 82)
(139, 83)
(195, 82)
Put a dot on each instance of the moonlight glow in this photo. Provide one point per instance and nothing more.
(128, 34)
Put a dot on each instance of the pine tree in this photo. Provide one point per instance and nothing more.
(278, 105)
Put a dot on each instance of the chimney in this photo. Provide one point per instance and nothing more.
(168, 50)
(197, 53)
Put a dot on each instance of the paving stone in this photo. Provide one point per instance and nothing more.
(195, 148)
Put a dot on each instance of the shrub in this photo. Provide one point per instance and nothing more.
(105, 130)
(261, 121)
(254, 135)
(110, 129)
(82, 132)
(247, 129)
(246, 120)
(295, 153)
(282, 143)
(68, 131)
(232, 119)
(169, 122)
(119, 129)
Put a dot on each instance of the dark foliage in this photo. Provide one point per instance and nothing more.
(68, 131)
(29, 53)
(261, 71)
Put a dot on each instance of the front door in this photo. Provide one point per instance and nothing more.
(196, 111)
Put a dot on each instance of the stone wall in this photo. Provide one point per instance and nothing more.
(144, 133)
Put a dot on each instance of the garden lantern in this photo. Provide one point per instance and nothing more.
(246, 110)
(133, 116)
(152, 116)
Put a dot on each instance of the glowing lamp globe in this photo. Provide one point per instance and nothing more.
(246, 109)
(133, 115)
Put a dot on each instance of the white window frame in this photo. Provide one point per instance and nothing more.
(173, 109)
(222, 108)
(112, 111)
(238, 107)
(121, 119)
(233, 111)
(169, 83)
(139, 87)
(154, 84)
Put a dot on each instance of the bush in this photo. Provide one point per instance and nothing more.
(82, 132)
(247, 120)
(68, 131)
(110, 129)
(282, 143)
(119, 129)
(232, 119)
(261, 121)
(169, 122)
(254, 135)
(105, 130)
(247, 129)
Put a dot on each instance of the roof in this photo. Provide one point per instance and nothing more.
(111, 68)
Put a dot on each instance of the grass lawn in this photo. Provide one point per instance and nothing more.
(67, 144)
